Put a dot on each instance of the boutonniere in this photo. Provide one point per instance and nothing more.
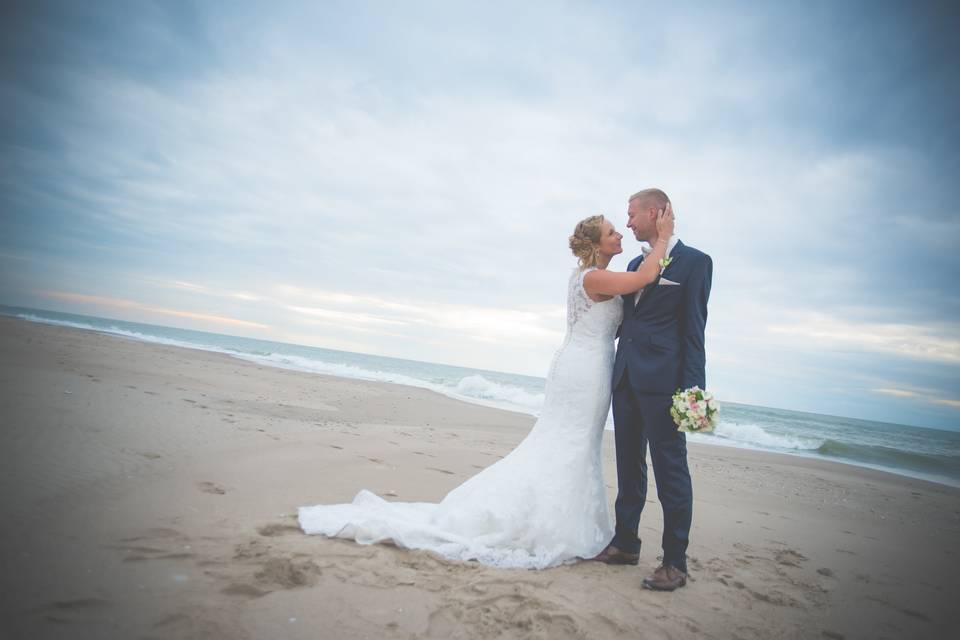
(664, 263)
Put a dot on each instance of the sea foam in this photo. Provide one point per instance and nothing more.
(753, 435)
(479, 388)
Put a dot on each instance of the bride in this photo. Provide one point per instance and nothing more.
(543, 504)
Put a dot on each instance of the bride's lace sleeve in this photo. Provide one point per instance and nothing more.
(578, 302)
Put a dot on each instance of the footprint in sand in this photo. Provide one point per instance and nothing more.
(174, 618)
(142, 549)
(731, 583)
(211, 487)
(163, 556)
(501, 613)
(161, 544)
(789, 558)
(273, 530)
(775, 597)
(914, 614)
(442, 471)
(78, 604)
(245, 590)
(287, 574)
(155, 532)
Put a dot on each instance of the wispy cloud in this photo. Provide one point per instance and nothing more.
(922, 395)
(119, 303)
(933, 341)
(898, 393)
(534, 326)
(189, 286)
(332, 315)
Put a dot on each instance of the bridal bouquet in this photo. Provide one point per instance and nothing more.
(694, 410)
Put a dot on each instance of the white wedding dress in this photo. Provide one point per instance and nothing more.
(544, 503)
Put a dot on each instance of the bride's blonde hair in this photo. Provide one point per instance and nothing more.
(585, 239)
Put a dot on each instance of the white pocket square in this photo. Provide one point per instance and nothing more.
(665, 281)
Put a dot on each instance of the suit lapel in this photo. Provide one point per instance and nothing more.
(678, 249)
(628, 306)
(650, 290)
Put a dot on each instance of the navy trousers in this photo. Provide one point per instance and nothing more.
(641, 421)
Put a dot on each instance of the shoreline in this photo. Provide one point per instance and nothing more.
(158, 499)
(725, 444)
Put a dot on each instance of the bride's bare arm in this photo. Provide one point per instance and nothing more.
(612, 283)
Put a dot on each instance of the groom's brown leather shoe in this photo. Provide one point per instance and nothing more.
(612, 555)
(665, 578)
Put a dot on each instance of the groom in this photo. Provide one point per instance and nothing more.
(660, 351)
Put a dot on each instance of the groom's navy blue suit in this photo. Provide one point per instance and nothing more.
(661, 349)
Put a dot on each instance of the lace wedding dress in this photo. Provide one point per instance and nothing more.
(544, 503)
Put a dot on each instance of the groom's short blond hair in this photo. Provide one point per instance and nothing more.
(654, 197)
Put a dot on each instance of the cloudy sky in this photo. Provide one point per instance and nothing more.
(401, 178)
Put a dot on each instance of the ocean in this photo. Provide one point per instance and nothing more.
(930, 454)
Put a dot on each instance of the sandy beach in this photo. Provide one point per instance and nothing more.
(150, 492)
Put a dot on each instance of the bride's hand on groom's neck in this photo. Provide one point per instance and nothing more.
(665, 223)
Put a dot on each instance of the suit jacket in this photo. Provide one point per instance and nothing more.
(661, 346)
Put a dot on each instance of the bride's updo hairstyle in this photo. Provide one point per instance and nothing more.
(584, 241)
